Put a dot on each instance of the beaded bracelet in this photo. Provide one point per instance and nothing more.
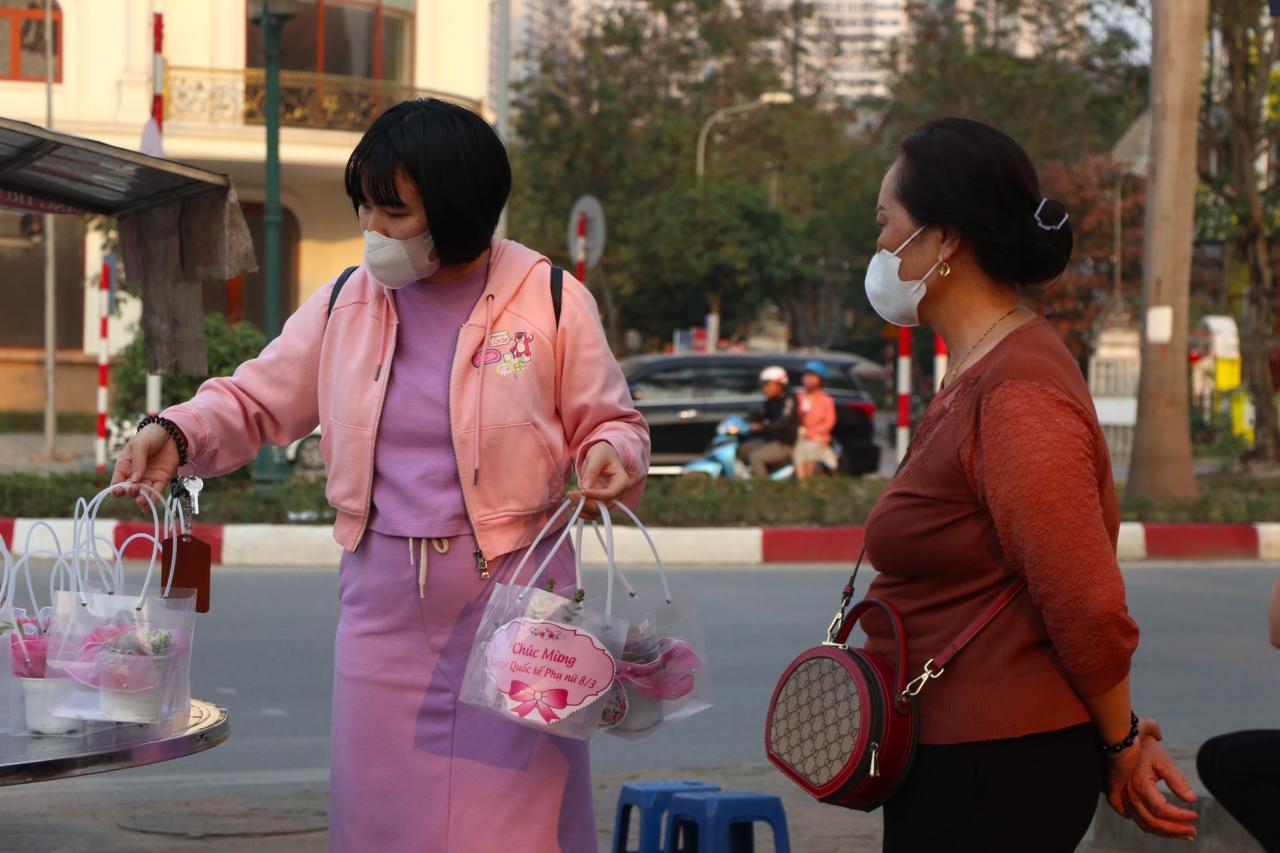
(1121, 746)
(176, 434)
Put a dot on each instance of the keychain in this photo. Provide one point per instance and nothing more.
(193, 568)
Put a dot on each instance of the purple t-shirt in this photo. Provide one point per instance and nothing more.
(416, 491)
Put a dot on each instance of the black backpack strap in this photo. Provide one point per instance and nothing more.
(557, 291)
(337, 288)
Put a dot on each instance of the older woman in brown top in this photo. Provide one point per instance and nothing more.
(1008, 476)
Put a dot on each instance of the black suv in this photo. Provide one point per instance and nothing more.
(683, 397)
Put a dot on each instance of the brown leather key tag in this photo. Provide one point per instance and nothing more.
(192, 569)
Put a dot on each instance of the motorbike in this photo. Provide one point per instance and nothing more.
(721, 458)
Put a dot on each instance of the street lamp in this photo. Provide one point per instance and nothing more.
(271, 16)
(765, 100)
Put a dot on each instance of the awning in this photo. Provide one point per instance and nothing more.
(179, 225)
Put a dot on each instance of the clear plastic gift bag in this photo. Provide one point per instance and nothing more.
(662, 673)
(25, 649)
(543, 659)
(121, 652)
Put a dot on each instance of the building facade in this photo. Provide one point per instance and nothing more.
(343, 62)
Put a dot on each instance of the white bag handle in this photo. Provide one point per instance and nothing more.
(564, 534)
(173, 513)
(622, 578)
(657, 559)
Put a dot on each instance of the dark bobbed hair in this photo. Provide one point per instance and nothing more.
(971, 177)
(455, 159)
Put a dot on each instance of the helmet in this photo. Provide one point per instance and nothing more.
(773, 373)
(816, 367)
(733, 425)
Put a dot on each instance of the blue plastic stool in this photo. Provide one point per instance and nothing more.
(651, 799)
(721, 822)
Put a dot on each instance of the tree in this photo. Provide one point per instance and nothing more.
(620, 120)
(1162, 464)
(1240, 119)
(229, 347)
(1070, 96)
(1089, 284)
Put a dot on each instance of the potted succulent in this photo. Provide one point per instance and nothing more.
(40, 695)
(131, 669)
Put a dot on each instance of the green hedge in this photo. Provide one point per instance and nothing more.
(669, 501)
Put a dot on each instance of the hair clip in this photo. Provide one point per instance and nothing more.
(1043, 202)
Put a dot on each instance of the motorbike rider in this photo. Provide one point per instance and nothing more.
(773, 426)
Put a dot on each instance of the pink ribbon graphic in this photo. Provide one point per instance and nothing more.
(668, 677)
(547, 702)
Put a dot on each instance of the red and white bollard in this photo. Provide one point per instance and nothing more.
(904, 391)
(104, 312)
(157, 115)
(157, 69)
(941, 361)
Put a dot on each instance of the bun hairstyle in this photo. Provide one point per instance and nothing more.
(973, 178)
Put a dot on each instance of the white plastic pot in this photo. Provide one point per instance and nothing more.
(142, 706)
(132, 687)
(41, 696)
(643, 713)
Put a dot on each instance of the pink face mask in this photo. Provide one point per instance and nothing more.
(668, 677)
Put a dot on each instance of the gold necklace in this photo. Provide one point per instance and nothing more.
(955, 370)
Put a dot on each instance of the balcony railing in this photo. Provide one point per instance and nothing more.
(326, 101)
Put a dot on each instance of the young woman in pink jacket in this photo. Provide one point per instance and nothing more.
(455, 395)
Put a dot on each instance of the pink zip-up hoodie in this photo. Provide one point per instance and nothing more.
(531, 431)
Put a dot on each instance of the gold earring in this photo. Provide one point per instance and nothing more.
(944, 268)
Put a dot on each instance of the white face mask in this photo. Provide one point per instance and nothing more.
(897, 301)
(396, 263)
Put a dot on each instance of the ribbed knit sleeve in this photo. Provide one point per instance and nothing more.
(1032, 462)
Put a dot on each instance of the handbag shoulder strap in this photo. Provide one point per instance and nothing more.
(935, 665)
(984, 619)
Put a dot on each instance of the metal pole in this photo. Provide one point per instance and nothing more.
(155, 383)
(272, 218)
(50, 270)
(104, 312)
(502, 104)
(941, 361)
(904, 391)
(1118, 246)
(580, 250)
(272, 465)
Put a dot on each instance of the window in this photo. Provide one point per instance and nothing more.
(369, 39)
(22, 40)
(22, 286)
(677, 382)
(735, 380)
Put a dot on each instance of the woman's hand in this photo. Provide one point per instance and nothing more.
(603, 479)
(1132, 786)
(150, 458)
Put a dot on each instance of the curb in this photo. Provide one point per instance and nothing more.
(310, 545)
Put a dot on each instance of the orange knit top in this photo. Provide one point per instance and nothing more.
(1007, 475)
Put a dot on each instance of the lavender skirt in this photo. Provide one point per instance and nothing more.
(414, 770)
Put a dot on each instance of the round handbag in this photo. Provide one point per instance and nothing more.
(842, 722)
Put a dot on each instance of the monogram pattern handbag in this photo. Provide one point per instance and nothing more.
(843, 723)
